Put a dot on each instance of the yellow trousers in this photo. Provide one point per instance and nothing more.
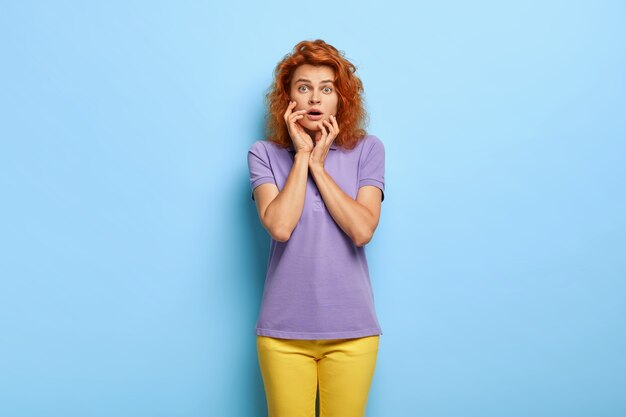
(293, 368)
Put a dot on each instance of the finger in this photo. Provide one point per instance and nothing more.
(298, 112)
(330, 127)
(296, 126)
(288, 110)
(293, 119)
(294, 114)
(335, 126)
(327, 126)
(334, 120)
(331, 132)
(324, 133)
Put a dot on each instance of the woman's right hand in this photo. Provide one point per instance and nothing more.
(301, 140)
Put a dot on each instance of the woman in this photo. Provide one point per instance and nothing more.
(317, 323)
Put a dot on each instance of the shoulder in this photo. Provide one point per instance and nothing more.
(260, 149)
(257, 146)
(373, 140)
(263, 145)
(268, 153)
(371, 143)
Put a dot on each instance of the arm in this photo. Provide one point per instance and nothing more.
(280, 211)
(357, 218)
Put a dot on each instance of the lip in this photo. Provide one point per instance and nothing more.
(314, 117)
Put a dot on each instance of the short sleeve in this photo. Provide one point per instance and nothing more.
(259, 166)
(372, 165)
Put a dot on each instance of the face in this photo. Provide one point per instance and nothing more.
(313, 90)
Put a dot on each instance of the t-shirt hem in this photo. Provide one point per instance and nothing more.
(260, 181)
(319, 335)
(371, 181)
(375, 183)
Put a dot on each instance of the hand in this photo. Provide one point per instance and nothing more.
(323, 140)
(301, 140)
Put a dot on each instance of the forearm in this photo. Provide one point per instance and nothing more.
(351, 216)
(283, 213)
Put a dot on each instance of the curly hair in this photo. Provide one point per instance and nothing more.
(351, 114)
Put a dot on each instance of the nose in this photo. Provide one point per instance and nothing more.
(313, 99)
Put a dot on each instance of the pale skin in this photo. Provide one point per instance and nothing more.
(280, 211)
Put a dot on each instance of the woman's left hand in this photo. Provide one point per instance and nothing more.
(323, 139)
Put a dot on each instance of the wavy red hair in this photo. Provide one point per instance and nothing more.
(351, 114)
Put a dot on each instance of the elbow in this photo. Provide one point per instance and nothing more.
(280, 234)
(363, 238)
(277, 230)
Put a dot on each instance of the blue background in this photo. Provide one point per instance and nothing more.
(132, 257)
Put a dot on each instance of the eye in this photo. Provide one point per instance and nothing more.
(328, 89)
(301, 87)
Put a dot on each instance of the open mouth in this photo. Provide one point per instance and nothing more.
(314, 114)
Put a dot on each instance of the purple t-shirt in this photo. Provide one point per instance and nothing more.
(317, 284)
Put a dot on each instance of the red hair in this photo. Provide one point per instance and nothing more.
(351, 114)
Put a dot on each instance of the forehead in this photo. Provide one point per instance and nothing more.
(315, 73)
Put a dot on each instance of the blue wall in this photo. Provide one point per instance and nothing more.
(132, 258)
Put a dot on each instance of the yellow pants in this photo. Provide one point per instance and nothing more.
(292, 368)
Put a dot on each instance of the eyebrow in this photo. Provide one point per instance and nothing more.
(308, 81)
